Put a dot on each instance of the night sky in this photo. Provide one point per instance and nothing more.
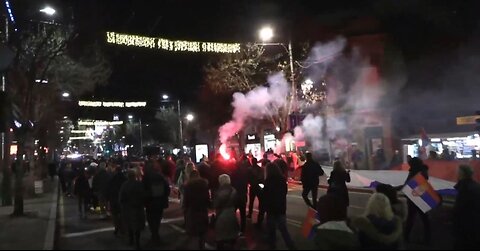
(427, 33)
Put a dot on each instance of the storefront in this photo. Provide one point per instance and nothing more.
(253, 146)
(446, 146)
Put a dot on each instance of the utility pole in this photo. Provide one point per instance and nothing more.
(292, 75)
(4, 140)
(141, 138)
(180, 125)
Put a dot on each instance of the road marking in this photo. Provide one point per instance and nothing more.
(71, 235)
(177, 228)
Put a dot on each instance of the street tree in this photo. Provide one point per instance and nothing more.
(43, 68)
(248, 69)
(166, 126)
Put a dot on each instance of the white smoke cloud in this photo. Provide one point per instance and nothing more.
(353, 86)
(258, 103)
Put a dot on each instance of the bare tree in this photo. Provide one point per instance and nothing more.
(167, 128)
(248, 69)
(43, 54)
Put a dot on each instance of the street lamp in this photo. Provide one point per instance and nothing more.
(65, 94)
(166, 99)
(265, 35)
(130, 117)
(48, 10)
(189, 117)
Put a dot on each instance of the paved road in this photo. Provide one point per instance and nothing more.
(96, 233)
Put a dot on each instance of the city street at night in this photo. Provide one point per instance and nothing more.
(97, 233)
(352, 125)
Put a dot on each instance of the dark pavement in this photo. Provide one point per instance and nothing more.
(97, 233)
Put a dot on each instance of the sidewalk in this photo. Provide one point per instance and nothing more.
(36, 230)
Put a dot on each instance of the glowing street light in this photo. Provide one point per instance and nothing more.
(265, 33)
(48, 10)
(65, 94)
(165, 96)
(189, 117)
(130, 116)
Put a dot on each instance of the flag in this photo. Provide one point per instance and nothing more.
(425, 139)
(420, 192)
(308, 224)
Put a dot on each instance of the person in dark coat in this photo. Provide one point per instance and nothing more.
(275, 197)
(417, 166)
(113, 191)
(396, 159)
(333, 233)
(311, 171)
(158, 190)
(83, 192)
(255, 178)
(226, 224)
(240, 183)
(196, 203)
(280, 162)
(52, 169)
(466, 218)
(132, 200)
(99, 186)
(337, 182)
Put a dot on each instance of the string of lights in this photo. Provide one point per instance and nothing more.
(111, 104)
(171, 45)
(9, 10)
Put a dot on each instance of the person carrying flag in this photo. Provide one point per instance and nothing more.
(417, 166)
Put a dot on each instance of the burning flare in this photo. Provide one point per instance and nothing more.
(223, 152)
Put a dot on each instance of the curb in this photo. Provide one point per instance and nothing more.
(52, 219)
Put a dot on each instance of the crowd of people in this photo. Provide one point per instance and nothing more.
(132, 193)
(387, 221)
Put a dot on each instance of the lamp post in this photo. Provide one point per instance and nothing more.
(166, 99)
(3, 150)
(130, 118)
(266, 34)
